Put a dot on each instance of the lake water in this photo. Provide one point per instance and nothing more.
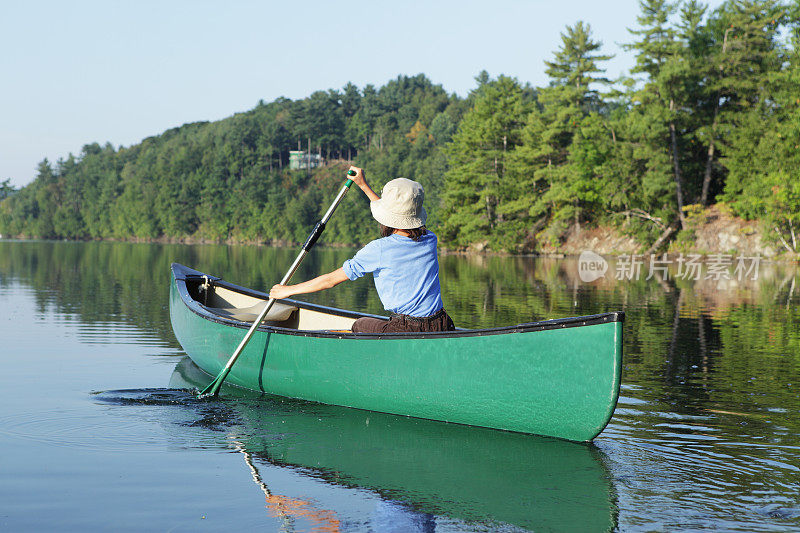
(98, 431)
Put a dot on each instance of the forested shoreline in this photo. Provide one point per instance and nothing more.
(710, 114)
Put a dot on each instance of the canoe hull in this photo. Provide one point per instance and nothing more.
(561, 382)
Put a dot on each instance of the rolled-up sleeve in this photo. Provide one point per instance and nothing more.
(367, 259)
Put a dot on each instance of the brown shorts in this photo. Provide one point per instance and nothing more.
(439, 321)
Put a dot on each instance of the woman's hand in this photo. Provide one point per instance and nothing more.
(360, 178)
(280, 292)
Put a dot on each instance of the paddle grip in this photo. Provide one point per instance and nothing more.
(312, 238)
(349, 182)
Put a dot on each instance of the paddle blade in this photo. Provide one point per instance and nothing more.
(212, 391)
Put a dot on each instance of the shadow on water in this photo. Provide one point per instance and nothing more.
(471, 474)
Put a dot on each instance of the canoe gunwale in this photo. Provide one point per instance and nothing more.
(182, 273)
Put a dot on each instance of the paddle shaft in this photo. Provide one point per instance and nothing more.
(214, 386)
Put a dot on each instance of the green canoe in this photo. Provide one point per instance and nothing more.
(558, 378)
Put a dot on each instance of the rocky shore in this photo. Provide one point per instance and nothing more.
(709, 231)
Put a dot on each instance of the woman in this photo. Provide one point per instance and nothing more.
(403, 263)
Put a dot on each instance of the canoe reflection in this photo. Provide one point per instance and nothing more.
(466, 473)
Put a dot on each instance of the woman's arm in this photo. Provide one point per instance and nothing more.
(360, 179)
(325, 281)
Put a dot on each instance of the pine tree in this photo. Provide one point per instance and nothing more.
(747, 51)
(478, 157)
(559, 181)
(762, 151)
(660, 55)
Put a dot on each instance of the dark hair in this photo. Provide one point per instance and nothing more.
(415, 233)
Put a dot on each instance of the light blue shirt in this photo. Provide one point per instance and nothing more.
(406, 273)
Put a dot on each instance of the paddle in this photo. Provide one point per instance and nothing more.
(213, 387)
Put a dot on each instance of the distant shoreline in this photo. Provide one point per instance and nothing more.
(714, 231)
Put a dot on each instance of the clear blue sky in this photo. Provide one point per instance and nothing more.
(77, 72)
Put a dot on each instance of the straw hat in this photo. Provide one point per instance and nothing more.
(400, 205)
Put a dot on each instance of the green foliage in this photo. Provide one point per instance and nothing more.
(710, 111)
(477, 184)
(564, 141)
(6, 189)
(229, 180)
(763, 155)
